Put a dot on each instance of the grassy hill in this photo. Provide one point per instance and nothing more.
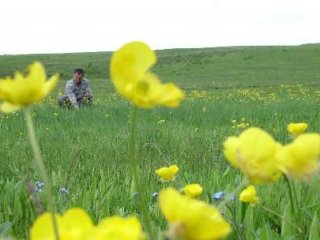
(197, 68)
(86, 151)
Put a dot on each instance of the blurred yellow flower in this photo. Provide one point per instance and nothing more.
(253, 152)
(297, 128)
(168, 173)
(193, 190)
(299, 160)
(191, 219)
(22, 91)
(249, 195)
(119, 228)
(131, 77)
(74, 224)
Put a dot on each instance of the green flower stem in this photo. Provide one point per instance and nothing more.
(41, 168)
(234, 192)
(290, 194)
(134, 171)
(280, 216)
(295, 196)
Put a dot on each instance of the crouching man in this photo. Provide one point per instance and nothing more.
(77, 91)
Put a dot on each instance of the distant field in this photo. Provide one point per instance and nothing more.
(227, 90)
(197, 68)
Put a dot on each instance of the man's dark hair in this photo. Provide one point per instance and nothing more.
(79, 71)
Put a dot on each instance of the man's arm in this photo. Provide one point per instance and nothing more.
(72, 97)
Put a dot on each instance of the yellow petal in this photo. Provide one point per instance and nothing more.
(297, 128)
(51, 84)
(77, 221)
(120, 228)
(129, 65)
(9, 108)
(42, 229)
(171, 96)
(256, 156)
(299, 159)
(37, 74)
(230, 150)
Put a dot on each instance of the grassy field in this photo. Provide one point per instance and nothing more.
(86, 151)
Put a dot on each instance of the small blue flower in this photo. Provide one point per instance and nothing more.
(218, 196)
(39, 186)
(64, 190)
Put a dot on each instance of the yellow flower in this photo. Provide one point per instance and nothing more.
(253, 152)
(191, 219)
(300, 159)
(168, 173)
(132, 79)
(193, 190)
(118, 228)
(249, 195)
(297, 128)
(22, 91)
(74, 224)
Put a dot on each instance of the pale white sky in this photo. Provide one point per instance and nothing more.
(42, 26)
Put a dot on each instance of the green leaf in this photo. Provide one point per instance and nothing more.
(266, 233)
(287, 230)
(314, 229)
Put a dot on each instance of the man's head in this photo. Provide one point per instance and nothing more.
(78, 75)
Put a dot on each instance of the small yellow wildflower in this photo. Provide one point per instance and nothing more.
(299, 160)
(249, 195)
(193, 190)
(297, 128)
(132, 79)
(191, 219)
(253, 152)
(168, 173)
(22, 91)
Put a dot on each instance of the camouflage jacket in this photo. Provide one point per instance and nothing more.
(76, 92)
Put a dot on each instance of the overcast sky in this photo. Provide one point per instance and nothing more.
(42, 26)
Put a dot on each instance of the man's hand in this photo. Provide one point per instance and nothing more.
(87, 95)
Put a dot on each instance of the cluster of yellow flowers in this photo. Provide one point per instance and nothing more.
(76, 224)
(188, 219)
(170, 173)
(263, 160)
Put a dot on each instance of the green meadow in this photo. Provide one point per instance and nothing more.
(227, 90)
